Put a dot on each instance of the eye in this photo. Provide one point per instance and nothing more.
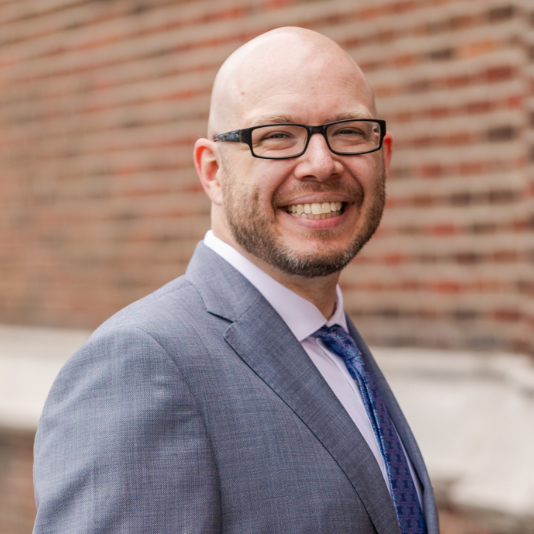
(350, 131)
(276, 135)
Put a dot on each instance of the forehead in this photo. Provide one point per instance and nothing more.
(301, 83)
(293, 73)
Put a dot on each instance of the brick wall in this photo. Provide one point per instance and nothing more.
(17, 506)
(453, 265)
(101, 102)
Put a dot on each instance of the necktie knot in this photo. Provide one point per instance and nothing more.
(338, 341)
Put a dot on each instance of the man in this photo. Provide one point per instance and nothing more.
(239, 398)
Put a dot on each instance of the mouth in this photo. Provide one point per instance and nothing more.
(316, 210)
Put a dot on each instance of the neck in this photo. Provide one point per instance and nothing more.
(320, 291)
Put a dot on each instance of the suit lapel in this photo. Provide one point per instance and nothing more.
(281, 362)
(264, 342)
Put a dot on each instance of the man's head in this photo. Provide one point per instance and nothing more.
(298, 76)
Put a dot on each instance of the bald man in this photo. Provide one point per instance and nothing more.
(240, 398)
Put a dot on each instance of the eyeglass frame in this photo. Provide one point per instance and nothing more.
(245, 136)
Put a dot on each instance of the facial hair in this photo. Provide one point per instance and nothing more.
(253, 229)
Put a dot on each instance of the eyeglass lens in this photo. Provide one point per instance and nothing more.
(282, 141)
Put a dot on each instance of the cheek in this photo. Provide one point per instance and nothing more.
(370, 174)
(271, 176)
(240, 196)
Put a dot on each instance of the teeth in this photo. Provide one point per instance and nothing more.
(316, 210)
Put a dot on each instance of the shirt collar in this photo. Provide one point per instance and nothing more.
(301, 316)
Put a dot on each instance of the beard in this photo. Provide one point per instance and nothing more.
(254, 230)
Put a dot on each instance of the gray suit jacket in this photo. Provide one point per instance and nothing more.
(196, 410)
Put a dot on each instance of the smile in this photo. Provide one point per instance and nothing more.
(316, 210)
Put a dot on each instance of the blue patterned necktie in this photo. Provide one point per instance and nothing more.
(403, 493)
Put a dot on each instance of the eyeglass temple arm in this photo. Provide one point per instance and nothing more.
(232, 137)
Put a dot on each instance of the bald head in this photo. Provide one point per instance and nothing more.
(281, 62)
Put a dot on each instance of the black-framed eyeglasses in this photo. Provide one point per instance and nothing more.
(349, 137)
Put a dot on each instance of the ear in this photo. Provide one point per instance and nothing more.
(207, 166)
(387, 146)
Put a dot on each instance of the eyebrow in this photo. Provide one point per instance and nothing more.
(274, 119)
(277, 119)
(352, 115)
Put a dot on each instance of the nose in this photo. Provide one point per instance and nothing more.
(318, 162)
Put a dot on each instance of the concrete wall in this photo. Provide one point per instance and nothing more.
(472, 415)
(102, 101)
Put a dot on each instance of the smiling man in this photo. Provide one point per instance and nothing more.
(239, 398)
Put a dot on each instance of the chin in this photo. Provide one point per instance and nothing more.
(309, 263)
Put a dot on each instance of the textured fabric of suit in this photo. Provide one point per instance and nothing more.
(195, 410)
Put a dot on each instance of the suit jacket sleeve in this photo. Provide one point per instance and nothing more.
(121, 445)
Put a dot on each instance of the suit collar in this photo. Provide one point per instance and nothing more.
(225, 292)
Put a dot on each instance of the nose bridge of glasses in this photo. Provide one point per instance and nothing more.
(318, 130)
